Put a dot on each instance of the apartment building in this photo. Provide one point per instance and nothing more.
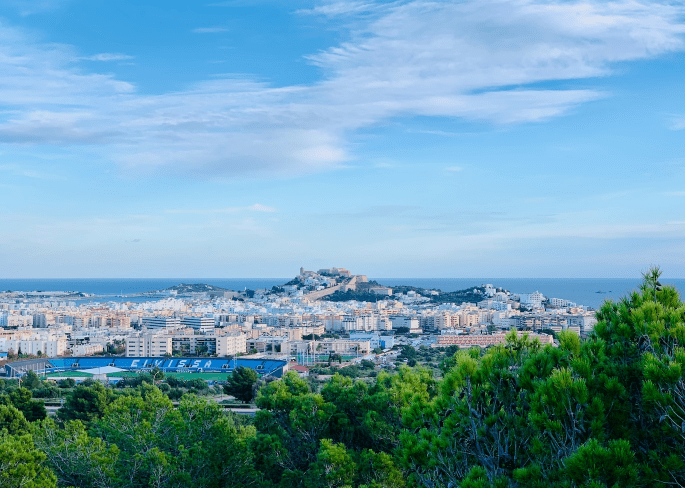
(161, 323)
(149, 345)
(46, 346)
(202, 324)
(86, 349)
(231, 344)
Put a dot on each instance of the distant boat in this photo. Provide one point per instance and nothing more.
(600, 291)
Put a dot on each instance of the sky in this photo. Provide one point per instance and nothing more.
(247, 138)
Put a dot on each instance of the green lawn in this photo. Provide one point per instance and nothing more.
(69, 374)
(182, 376)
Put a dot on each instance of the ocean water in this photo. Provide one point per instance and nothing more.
(584, 291)
(111, 287)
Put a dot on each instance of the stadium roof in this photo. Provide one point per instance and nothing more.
(102, 370)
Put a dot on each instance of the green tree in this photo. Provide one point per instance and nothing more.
(378, 470)
(77, 459)
(137, 424)
(603, 412)
(21, 464)
(291, 422)
(30, 380)
(12, 421)
(66, 383)
(156, 374)
(86, 403)
(240, 384)
(23, 400)
(195, 444)
(369, 417)
(333, 468)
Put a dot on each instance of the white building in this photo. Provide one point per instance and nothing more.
(46, 346)
(149, 345)
(532, 299)
(375, 340)
(561, 303)
(20, 321)
(231, 344)
(360, 322)
(153, 323)
(411, 323)
(86, 349)
(203, 324)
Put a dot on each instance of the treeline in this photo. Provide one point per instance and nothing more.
(605, 412)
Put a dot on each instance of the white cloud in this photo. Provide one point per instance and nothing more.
(345, 8)
(677, 122)
(108, 57)
(477, 60)
(257, 207)
(30, 7)
(209, 30)
(20, 170)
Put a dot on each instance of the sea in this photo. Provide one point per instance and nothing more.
(591, 292)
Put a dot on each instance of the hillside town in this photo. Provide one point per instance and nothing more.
(316, 316)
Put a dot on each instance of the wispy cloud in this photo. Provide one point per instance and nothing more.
(30, 7)
(225, 210)
(476, 60)
(454, 169)
(108, 57)
(18, 170)
(209, 30)
(677, 122)
(345, 8)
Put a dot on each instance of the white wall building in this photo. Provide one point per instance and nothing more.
(149, 345)
(532, 299)
(203, 324)
(46, 346)
(86, 349)
(153, 323)
(231, 344)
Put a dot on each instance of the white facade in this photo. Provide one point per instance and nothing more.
(533, 299)
(411, 323)
(86, 349)
(20, 321)
(149, 345)
(231, 344)
(360, 322)
(161, 322)
(560, 302)
(198, 323)
(50, 347)
(374, 339)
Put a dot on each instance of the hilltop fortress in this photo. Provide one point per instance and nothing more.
(318, 284)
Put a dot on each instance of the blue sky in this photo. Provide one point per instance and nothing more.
(248, 138)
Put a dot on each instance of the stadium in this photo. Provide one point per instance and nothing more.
(115, 368)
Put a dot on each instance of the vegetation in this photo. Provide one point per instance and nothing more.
(360, 296)
(241, 383)
(603, 412)
(470, 295)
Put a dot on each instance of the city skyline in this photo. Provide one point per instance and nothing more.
(426, 139)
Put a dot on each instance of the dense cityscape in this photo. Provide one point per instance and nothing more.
(314, 315)
(332, 380)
